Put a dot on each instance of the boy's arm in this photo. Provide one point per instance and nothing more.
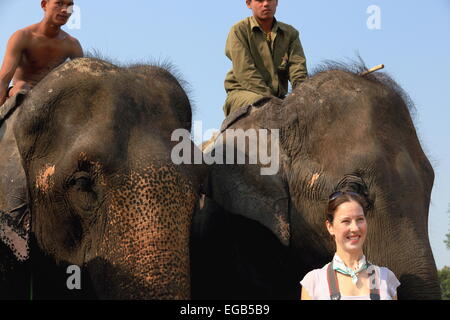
(244, 69)
(14, 50)
(77, 50)
(297, 62)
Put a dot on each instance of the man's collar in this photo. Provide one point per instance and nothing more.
(254, 24)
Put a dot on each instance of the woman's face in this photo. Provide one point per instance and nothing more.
(349, 227)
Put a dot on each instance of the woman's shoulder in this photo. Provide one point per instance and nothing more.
(388, 282)
(387, 274)
(314, 282)
(316, 273)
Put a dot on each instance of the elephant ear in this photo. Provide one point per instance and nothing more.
(251, 190)
(14, 209)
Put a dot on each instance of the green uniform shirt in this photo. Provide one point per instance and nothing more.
(262, 64)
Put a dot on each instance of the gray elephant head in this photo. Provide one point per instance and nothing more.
(334, 124)
(95, 143)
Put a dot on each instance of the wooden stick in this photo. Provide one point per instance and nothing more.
(379, 67)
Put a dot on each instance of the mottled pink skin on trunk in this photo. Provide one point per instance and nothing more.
(147, 233)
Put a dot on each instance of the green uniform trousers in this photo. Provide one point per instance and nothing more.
(239, 98)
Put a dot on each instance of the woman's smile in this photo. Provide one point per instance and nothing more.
(354, 238)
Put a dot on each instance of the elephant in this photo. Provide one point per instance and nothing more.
(256, 235)
(89, 155)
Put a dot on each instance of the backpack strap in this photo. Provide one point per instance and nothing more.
(373, 282)
(333, 284)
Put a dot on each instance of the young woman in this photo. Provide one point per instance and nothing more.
(349, 276)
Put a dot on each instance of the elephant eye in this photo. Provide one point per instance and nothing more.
(82, 193)
(82, 182)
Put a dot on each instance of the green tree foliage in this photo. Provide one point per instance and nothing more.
(444, 274)
(444, 280)
(447, 241)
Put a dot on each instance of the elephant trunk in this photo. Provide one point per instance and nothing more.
(419, 282)
(410, 257)
(144, 250)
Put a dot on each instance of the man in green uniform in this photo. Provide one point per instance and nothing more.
(265, 53)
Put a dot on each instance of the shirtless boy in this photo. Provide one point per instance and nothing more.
(36, 50)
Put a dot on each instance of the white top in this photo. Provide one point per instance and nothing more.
(316, 284)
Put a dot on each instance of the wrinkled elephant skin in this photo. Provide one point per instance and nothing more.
(94, 140)
(335, 123)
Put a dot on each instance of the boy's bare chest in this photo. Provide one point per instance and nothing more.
(43, 54)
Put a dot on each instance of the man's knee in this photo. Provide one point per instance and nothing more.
(239, 98)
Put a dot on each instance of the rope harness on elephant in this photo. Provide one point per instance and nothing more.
(11, 104)
(15, 230)
(333, 284)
